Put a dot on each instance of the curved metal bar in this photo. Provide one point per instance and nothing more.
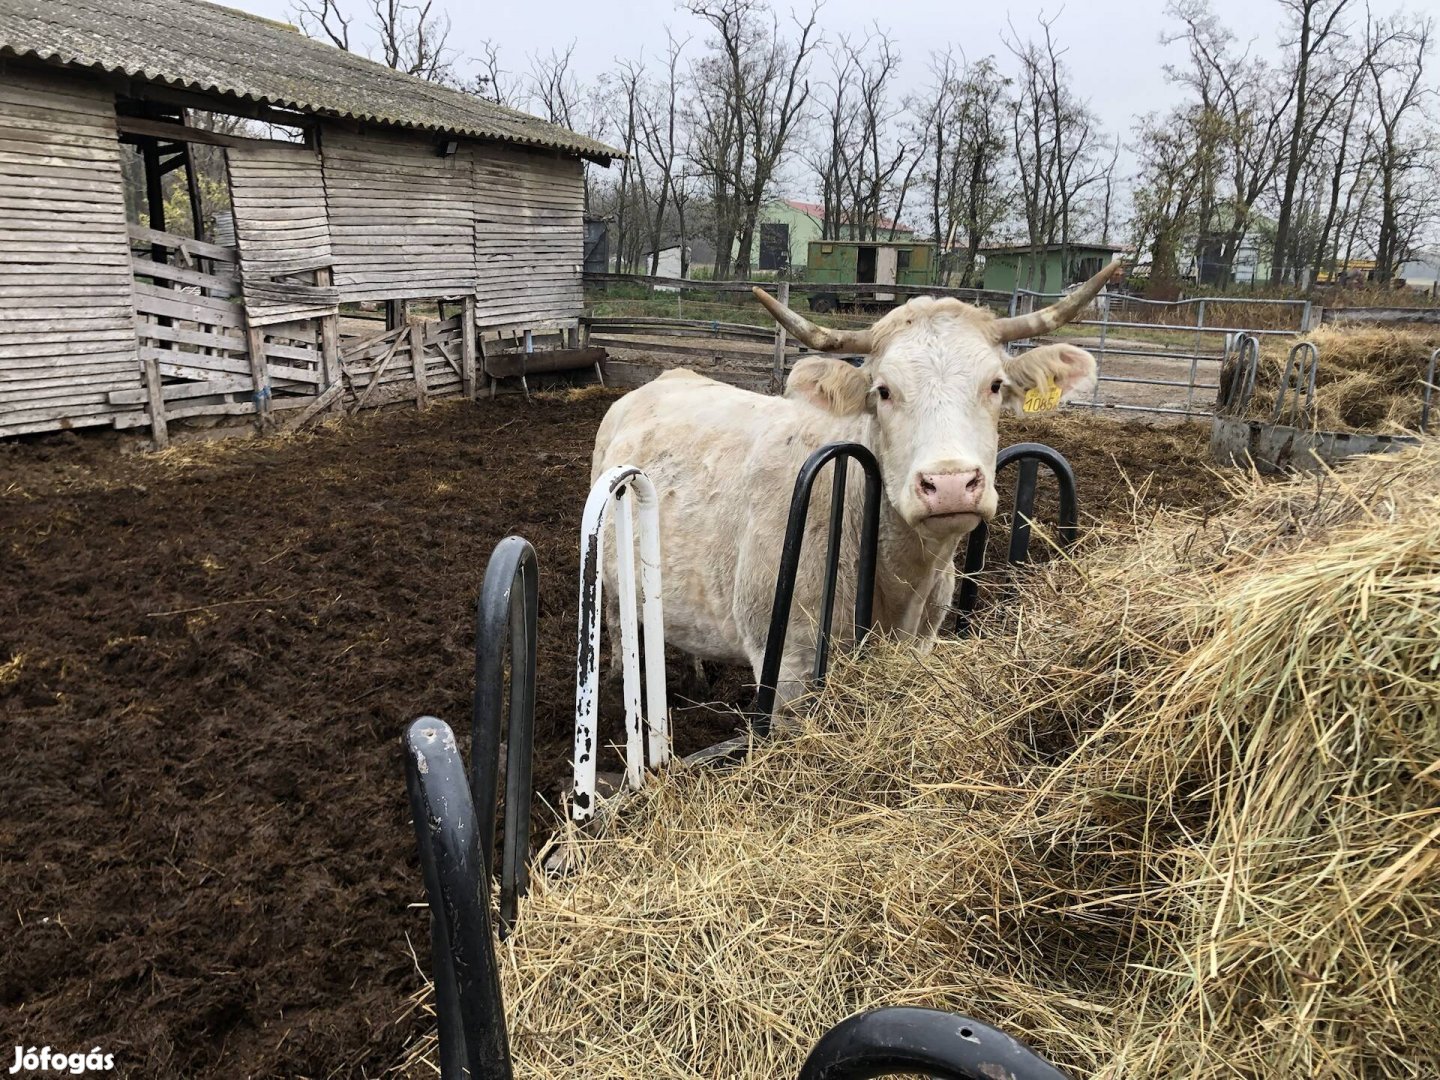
(1304, 371)
(1429, 392)
(1030, 456)
(468, 1005)
(506, 616)
(941, 1045)
(790, 565)
(647, 726)
(1242, 385)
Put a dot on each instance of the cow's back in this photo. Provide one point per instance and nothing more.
(723, 461)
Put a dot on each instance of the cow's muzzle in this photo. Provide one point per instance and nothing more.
(951, 494)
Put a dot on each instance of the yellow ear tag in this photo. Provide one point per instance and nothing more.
(1042, 398)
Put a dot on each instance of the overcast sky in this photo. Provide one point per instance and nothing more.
(1114, 50)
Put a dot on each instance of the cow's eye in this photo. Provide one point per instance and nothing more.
(997, 386)
(883, 392)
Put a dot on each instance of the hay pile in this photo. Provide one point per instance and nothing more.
(1370, 379)
(1176, 814)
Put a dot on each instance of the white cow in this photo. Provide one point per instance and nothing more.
(723, 461)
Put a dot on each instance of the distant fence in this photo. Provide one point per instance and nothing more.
(1153, 356)
(1380, 316)
(1165, 356)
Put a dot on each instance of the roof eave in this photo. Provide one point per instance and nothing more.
(589, 149)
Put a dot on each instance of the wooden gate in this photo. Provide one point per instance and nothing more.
(197, 352)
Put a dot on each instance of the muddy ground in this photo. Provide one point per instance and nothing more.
(206, 659)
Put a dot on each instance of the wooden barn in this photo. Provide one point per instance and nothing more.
(381, 187)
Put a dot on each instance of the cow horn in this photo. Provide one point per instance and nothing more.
(1058, 313)
(817, 337)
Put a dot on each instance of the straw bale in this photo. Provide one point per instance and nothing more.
(1370, 379)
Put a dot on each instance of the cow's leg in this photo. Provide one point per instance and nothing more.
(793, 681)
(613, 672)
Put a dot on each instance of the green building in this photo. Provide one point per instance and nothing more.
(1049, 268)
(785, 229)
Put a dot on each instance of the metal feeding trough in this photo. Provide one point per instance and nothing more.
(455, 818)
(1284, 443)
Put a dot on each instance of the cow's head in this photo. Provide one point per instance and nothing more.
(935, 380)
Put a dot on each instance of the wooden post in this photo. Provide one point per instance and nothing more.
(197, 212)
(260, 373)
(467, 348)
(159, 431)
(784, 298)
(154, 195)
(417, 362)
(329, 339)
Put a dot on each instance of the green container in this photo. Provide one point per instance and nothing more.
(870, 262)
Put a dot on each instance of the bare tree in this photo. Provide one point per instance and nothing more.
(1055, 138)
(659, 139)
(755, 91)
(492, 82)
(831, 158)
(1396, 75)
(962, 121)
(1317, 31)
(554, 87)
(1335, 158)
(859, 160)
(554, 91)
(1246, 98)
(324, 19)
(410, 37)
(1176, 158)
(633, 193)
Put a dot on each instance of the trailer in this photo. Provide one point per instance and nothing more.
(860, 268)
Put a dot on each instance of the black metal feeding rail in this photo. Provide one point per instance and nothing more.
(454, 828)
(455, 820)
(457, 836)
(840, 454)
(1029, 456)
(506, 616)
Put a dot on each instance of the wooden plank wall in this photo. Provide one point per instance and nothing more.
(503, 224)
(529, 237)
(281, 224)
(401, 216)
(67, 324)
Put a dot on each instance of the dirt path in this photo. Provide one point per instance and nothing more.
(206, 659)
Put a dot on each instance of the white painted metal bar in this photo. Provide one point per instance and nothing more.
(646, 726)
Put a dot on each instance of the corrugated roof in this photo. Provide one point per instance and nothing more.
(1048, 249)
(212, 49)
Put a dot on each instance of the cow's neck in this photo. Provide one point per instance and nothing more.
(909, 565)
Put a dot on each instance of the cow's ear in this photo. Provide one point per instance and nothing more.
(833, 385)
(1040, 379)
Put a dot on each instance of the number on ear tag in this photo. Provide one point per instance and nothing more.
(1042, 398)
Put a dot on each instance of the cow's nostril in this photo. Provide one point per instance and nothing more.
(927, 486)
(975, 483)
